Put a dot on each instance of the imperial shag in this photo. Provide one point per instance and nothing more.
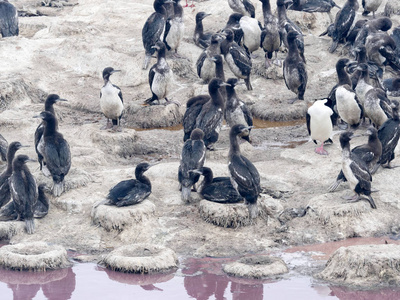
(56, 152)
(204, 65)
(193, 108)
(193, 157)
(217, 189)
(24, 191)
(244, 175)
(174, 28)
(132, 191)
(48, 106)
(111, 102)
(270, 37)
(3, 148)
(244, 7)
(8, 19)
(5, 195)
(355, 171)
(201, 38)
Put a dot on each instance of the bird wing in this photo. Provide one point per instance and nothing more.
(121, 189)
(241, 58)
(38, 135)
(308, 121)
(58, 155)
(166, 31)
(152, 73)
(193, 155)
(247, 114)
(152, 31)
(343, 22)
(136, 195)
(363, 153)
(8, 20)
(245, 173)
(209, 119)
(360, 170)
(119, 93)
(200, 62)
(249, 7)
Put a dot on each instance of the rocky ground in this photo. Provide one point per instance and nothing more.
(64, 51)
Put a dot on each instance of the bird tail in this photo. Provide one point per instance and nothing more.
(253, 210)
(186, 192)
(334, 186)
(333, 46)
(58, 188)
(248, 84)
(146, 61)
(105, 202)
(30, 226)
(371, 202)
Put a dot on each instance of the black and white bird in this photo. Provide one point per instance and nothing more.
(369, 153)
(370, 6)
(24, 191)
(236, 111)
(132, 191)
(193, 108)
(220, 74)
(3, 148)
(319, 124)
(217, 189)
(251, 34)
(389, 134)
(392, 86)
(160, 77)
(211, 115)
(312, 6)
(239, 62)
(294, 69)
(5, 194)
(174, 28)
(205, 66)
(8, 19)
(201, 38)
(48, 106)
(193, 157)
(356, 172)
(270, 37)
(244, 7)
(56, 152)
(244, 175)
(343, 22)
(111, 101)
(377, 107)
(153, 29)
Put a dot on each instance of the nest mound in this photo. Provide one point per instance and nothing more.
(392, 8)
(364, 265)
(230, 215)
(141, 258)
(332, 210)
(256, 267)
(35, 256)
(117, 218)
(11, 228)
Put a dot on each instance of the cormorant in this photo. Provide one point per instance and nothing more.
(132, 191)
(377, 107)
(5, 195)
(212, 114)
(174, 28)
(111, 102)
(244, 175)
(239, 62)
(286, 25)
(270, 37)
(153, 29)
(319, 124)
(251, 33)
(343, 22)
(233, 24)
(369, 153)
(56, 152)
(48, 106)
(370, 5)
(236, 111)
(193, 108)
(160, 77)
(205, 67)
(244, 7)
(24, 191)
(389, 135)
(363, 85)
(3, 148)
(201, 38)
(294, 69)
(311, 6)
(356, 171)
(220, 74)
(217, 189)
(192, 157)
(374, 43)
(392, 86)
(8, 19)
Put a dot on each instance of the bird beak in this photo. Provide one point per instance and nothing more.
(32, 160)
(61, 99)
(153, 164)
(224, 84)
(112, 72)
(37, 116)
(196, 171)
(155, 47)
(25, 146)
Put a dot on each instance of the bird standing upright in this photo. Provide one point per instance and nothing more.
(111, 102)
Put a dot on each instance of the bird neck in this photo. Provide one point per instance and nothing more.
(266, 7)
(208, 178)
(230, 92)
(178, 10)
(293, 47)
(365, 76)
(143, 179)
(219, 71)
(159, 8)
(10, 158)
(235, 149)
(281, 12)
(50, 127)
(199, 27)
(106, 80)
(343, 77)
(217, 98)
(49, 107)
(161, 56)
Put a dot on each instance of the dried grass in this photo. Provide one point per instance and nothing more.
(35, 256)
(117, 218)
(141, 258)
(9, 229)
(364, 265)
(256, 267)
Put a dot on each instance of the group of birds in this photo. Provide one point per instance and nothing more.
(20, 196)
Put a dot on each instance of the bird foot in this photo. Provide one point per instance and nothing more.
(321, 150)
(388, 166)
(45, 171)
(117, 128)
(172, 102)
